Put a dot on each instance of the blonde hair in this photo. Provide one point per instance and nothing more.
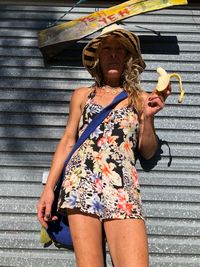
(131, 84)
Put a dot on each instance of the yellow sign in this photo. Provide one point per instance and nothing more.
(74, 30)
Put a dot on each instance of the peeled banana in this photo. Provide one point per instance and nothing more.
(164, 79)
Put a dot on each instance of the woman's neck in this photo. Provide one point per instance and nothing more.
(111, 86)
(112, 82)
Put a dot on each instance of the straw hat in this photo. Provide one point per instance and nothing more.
(127, 38)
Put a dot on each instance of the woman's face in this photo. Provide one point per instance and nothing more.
(112, 57)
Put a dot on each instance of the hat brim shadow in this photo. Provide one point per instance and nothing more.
(71, 54)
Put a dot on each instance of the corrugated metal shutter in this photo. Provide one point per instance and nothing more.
(34, 105)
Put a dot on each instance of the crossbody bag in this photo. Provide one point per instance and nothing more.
(58, 230)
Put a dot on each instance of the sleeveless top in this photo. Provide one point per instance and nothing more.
(100, 177)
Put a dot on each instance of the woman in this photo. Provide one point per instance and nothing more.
(101, 184)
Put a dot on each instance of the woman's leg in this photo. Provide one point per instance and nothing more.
(86, 231)
(127, 241)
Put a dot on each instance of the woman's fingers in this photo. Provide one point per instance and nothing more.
(166, 92)
(156, 100)
(54, 218)
(155, 104)
(41, 215)
(47, 215)
(44, 207)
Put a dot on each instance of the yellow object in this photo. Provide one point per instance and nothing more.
(44, 237)
(53, 40)
(164, 80)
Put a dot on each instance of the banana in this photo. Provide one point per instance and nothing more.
(164, 80)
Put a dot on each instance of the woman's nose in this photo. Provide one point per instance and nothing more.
(113, 54)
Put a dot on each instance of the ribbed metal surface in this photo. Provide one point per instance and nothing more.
(34, 98)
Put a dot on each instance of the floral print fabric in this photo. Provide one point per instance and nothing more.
(100, 177)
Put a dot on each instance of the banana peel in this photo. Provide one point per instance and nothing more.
(164, 80)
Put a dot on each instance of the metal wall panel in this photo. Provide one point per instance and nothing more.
(34, 98)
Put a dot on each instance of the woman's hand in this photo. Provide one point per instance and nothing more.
(156, 102)
(148, 141)
(44, 207)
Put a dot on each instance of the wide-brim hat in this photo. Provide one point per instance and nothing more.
(128, 39)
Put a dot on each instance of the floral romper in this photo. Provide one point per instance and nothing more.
(100, 177)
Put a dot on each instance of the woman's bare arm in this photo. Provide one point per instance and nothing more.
(63, 149)
(67, 141)
(148, 141)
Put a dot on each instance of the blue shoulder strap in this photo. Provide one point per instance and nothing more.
(95, 123)
(59, 230)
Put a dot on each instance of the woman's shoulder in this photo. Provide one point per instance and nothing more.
(82, 92)
(80, 95)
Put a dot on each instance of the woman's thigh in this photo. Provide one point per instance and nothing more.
(127, 241)
(86, 232)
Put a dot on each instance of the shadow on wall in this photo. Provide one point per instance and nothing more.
(149, 45)
(148, 165)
